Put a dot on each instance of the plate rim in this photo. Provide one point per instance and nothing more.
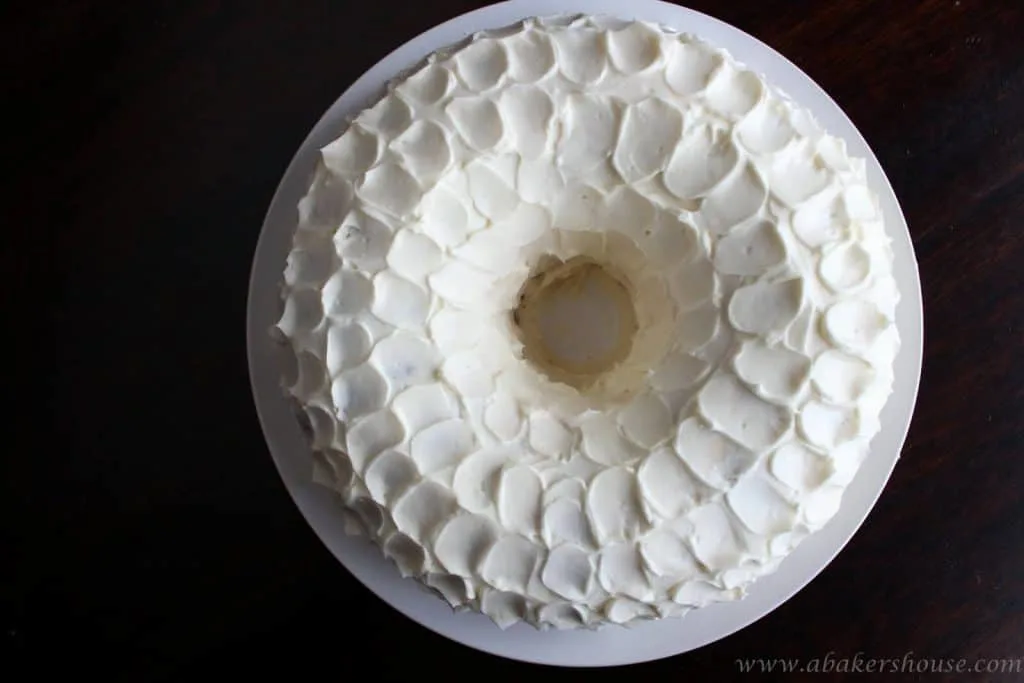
(612, 646)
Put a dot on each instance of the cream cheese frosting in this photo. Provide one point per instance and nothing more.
(752, 301)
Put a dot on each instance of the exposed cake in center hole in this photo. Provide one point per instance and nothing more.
(576, 319)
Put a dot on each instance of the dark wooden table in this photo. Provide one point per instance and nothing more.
(148, 535)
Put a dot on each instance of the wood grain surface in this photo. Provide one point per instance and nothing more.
(149, 537)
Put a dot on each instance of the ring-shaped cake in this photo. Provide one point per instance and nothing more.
(589, 323)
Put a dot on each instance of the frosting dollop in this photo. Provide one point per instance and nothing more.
(590, 325)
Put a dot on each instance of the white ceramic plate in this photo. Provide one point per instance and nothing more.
(613, 645)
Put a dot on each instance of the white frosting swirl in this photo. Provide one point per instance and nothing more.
(751, 251)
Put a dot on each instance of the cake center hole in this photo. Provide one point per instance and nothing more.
(575, 319)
